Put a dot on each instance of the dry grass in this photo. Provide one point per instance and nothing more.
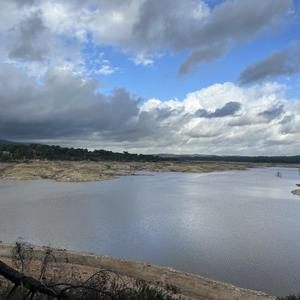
(78, 281)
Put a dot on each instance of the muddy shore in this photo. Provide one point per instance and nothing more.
(82, 171)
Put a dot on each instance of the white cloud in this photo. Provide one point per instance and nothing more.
(44, 39)
(66, 109)
(141, 59)
(107, 69)
(143, 29)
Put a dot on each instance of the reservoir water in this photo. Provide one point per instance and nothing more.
(242, 227)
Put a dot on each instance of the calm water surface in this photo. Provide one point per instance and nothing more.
(242, 227)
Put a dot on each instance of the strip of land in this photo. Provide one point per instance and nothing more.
(83, 171)
(68, 171)
(189, 286)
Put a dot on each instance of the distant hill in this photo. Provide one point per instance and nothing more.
(15, 152)
(233, 158)
(6, 142)
(12, 151)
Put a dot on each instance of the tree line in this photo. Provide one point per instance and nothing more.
(247, 159)
(17, 152)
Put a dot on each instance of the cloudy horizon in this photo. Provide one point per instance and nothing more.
(147, 76)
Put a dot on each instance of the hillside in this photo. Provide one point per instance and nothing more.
(11, 151)
(17, 152)
(234, 158)
(5, 142)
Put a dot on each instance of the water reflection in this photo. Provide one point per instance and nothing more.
(240, 226)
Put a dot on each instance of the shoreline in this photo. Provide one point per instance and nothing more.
(191, 286)
(85, 171)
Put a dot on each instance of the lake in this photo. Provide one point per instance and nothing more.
(242, 227)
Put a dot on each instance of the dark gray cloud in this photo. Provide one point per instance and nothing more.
(24, 2)
(229, 109)
(273, 112)
(230, 23)
(204, 54)
(31, 39)
(64, 106)
(286, 62)
(175, 26)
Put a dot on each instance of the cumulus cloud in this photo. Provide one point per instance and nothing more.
(144, 29)
(52, 97)
(221, 119)
(285, 62)
(63, 106)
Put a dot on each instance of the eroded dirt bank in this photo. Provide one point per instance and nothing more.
(190, 286)
(93, 171)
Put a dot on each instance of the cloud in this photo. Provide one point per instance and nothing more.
(52, 97)
(69, 110)
(141, 59)
(24, 2)
(205, 54)
(230, 23)
(29, 45)
(208, 34)
(107, 69)
(63, 106)
(143, 29)
(285, 62)
(273, 112)
(229, 109)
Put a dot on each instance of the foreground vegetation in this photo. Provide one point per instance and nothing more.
(51, 281)
(26, 274)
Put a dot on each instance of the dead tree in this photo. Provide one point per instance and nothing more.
(30, 283)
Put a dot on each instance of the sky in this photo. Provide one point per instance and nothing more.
(152, 76)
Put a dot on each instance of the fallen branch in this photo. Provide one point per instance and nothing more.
(30, 283)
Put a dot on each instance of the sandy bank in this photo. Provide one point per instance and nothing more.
(191, 286)
(93, 171)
